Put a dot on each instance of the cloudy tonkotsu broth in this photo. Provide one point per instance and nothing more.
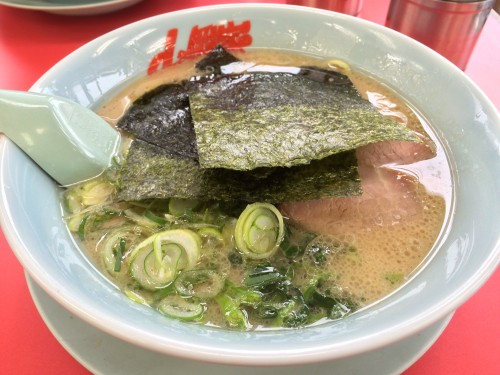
(395, 222)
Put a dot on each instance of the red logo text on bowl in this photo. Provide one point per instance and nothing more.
(202, 40)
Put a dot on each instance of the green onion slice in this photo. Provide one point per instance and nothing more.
(186, 240)
(81, 228)
(149, 273)
(211, 232)
(259, 230)
(113, 248)
(141, 220)
(96, 192)
(136, 297)
(180, 308)
(157, 219)
(157, 260)
(199, 283)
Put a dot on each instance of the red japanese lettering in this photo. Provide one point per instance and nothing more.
(165, 57)
(202, 40)
(230, 36)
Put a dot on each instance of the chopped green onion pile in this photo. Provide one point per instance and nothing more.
(191, 259)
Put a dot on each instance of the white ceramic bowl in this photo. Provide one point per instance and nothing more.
(465, 121)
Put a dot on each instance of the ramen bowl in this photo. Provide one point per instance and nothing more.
(466, 123)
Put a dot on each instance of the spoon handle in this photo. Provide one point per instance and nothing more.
(69, 141)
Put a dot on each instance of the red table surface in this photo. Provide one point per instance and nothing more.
(31, 42)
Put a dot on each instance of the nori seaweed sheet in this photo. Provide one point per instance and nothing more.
(215, 60)
(248, 121)
(152, 172)
(263, 107)
(162, 117)
(324, 75)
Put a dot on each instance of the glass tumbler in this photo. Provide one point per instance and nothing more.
(448, 27)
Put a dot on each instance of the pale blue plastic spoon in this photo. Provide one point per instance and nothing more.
(67, 140)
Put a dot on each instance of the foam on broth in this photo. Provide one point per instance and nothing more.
(394, 224)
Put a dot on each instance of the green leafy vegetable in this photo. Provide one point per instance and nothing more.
(233, 301)
(113, 248)
(120, 250)
(295, 241)
(264, 276)
(281, 301)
